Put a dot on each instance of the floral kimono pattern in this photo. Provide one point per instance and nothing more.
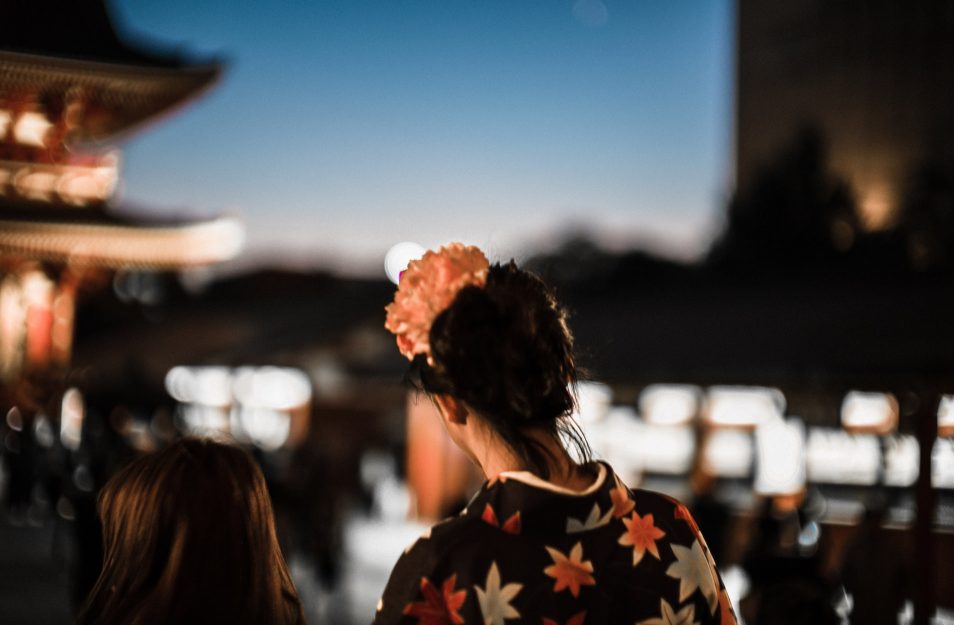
(526, 551)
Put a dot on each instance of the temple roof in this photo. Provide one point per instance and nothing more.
(115, 240)
(49, 46)
(75, 29)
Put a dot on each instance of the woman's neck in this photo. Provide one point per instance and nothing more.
(563, 471)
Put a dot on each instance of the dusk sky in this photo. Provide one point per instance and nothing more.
(341, 127)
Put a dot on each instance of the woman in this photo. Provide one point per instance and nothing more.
(546, 539)
(189, 537)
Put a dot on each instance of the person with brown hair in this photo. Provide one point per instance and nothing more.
(548, 538)
(189, 538)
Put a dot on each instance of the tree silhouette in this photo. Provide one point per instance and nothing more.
(796, 214)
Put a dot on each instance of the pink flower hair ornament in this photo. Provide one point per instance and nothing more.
(426, 288)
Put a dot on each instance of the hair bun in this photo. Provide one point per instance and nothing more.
(505, 349)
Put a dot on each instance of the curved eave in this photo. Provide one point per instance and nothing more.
(132, 94)
(124, 246)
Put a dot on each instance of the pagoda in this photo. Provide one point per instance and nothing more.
(69, 87)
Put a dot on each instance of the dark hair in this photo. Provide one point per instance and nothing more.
(189, 537)
(505, 350)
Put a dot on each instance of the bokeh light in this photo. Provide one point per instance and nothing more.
(398, 257)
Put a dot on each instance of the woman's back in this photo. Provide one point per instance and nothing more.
(524, 551)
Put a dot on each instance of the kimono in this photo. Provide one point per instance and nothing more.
(527, 551)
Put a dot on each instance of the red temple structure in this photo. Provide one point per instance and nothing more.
(69, 85)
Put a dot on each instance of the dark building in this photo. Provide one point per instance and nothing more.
(872, 77)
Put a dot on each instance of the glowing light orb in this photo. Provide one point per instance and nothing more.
(398, 257)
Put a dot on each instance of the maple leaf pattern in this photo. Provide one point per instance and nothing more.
(494, 600)
(685, 616)
(692, 570)
(508, 579)
(682, 513)
(426, 534)
(623, 504)
(593, 521)
(641, 534)
(511, 525)
(576, 619)
(570, 571)
(439, 607)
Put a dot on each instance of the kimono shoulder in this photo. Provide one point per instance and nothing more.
(522, 553)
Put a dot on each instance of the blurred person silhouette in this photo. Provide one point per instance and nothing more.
(796, 602)
(782, 571)
(712, 515)
(315, 509)
(104, 450)
(21, 455)
(548, 538)
(875, 572)
(189, 537)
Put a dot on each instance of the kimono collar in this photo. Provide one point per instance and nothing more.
(532, 480)
(519, 502)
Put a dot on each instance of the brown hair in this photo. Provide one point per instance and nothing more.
(189, 537)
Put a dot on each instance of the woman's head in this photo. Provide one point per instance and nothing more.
(502, 347)
(189, 537)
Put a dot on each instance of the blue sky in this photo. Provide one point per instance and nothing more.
(343, 126)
